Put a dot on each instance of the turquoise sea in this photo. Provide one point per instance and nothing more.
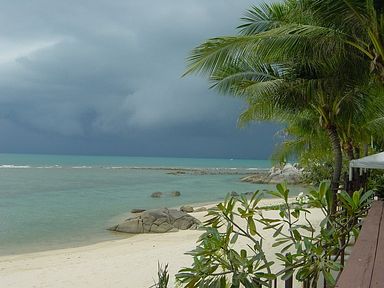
(56, 201)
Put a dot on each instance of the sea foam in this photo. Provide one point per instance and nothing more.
(15, 166)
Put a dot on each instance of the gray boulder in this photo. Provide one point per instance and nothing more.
(288, 167)
(187, 209)
(137, 210)
(175, 193)
(156, 194)
(274, 170)
(158, 221)
(234, 194)
(200, 209)
(289, 173)
(167, 194)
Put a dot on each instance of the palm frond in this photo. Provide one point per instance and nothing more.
(263, 18)
(277, 45)
(235, 79)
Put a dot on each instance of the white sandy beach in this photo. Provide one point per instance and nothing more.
(125, 263)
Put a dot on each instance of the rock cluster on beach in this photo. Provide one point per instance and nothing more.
(289, 173)
(158, 221)
(200, 209)
(162, 194)
(236, 194)
(187, 209)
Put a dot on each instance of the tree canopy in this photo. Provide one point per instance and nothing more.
(315, 65)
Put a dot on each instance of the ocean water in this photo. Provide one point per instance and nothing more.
(55, 201)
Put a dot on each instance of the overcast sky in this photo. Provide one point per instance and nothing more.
(104, 77)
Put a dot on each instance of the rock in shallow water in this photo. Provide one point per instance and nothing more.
(175, 193)
(158, 221)
(137, 210)
(169, 194)
(156, 194)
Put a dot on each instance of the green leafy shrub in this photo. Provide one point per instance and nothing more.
(316, 171)
(376, 183)
(216, 261)
(306, 251)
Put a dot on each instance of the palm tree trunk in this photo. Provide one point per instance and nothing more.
(357, 152)
(350, 151)
(338, 161)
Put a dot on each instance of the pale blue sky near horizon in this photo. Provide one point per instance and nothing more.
(104, 78)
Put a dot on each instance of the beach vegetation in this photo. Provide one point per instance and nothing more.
(162, 277)
(376, 183)
(231, 252)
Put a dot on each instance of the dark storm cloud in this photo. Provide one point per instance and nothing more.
(104, 77)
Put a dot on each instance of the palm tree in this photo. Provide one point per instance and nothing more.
(288, 58)
(335, 25)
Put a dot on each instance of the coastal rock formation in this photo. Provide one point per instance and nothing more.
(289, 174)
(202, 171)
(175, 193)
(200, 209)
(137, 210)
(187, 209)
(161, 194)
(234, 194)
(156, 194)
(177, 172)
(158, 221)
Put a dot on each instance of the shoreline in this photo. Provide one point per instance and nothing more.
(111, 236)
(106, 264)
